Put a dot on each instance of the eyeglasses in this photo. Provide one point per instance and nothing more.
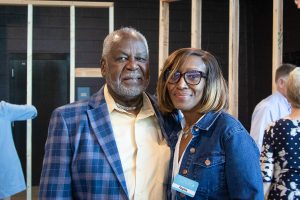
(190, 77)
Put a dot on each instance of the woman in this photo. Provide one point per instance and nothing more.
(213, 149)
(280, 157)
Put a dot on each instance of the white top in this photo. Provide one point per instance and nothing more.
(143, 151)
(176, 163)
(268, 110)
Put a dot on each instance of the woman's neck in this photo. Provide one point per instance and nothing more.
(295, 113)
(191, 118)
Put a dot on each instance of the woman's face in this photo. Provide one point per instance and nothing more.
(184, 96)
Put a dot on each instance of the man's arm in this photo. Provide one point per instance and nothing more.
(55, 182)
(13, 112)
(261, 118)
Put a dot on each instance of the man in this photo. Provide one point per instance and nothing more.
(111, 146)
(273, 107)
(11, 174)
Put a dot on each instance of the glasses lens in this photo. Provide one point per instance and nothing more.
(175, 77)
(193, 77)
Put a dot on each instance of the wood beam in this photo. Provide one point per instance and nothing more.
(72, 54)
(29, 102)
(196, 28)
(277, 38)
(169, 1)
(88, 72)
(233, 61)
(57, 3)
(163, 33)
(111, 19)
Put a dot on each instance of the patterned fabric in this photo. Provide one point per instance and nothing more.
(280, 159)
(81, 157)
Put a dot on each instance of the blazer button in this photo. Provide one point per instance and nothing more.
(207, 162)
(192, 150)
(182, 195)
(184, 172)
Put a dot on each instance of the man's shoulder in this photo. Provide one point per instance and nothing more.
(269, 102)
(72, 109)
(82, 105)
(74, 105)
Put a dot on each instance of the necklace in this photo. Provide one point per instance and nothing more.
(125, 107)
(129, 108)
(186, 130)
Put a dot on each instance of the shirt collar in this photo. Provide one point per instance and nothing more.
(146, 111)
(284, 99)
(111, 104)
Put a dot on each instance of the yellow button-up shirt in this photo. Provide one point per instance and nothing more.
(143, 151)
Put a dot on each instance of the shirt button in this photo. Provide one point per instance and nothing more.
(192, 150)
(184, 172)
(207, 162)
(182, 195)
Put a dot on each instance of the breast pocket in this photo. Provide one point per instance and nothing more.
(209, 172)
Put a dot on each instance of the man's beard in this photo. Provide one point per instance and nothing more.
(122, 90)
(129, 92)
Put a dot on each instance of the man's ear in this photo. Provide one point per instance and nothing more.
(282, 82)
(103, 67)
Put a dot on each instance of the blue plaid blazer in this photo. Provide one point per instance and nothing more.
(81, 158)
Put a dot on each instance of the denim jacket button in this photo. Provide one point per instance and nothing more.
(192, 150)
(196, 129)
(207, 162)
(184, 172)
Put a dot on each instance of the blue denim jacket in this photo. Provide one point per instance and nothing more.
(222, 158)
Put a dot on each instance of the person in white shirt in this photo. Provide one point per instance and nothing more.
(273, 107)
(11, 175)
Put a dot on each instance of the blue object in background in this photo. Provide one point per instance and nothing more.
(83, 93)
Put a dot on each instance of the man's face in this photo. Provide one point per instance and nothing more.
(126, 68)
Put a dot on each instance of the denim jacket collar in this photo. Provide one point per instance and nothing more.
(207, 121)
(204, 124)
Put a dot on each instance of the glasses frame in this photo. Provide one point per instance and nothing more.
(168, 72)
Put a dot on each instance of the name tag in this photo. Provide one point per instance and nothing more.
(185, 185)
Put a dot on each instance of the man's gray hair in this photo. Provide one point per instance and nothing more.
(107, 43)
(284, 70)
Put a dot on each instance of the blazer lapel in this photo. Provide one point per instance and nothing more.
(101, 125)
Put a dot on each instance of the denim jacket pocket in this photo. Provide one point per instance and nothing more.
(209, 172)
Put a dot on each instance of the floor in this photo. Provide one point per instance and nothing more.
(22, 195)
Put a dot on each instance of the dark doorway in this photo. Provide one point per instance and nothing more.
(50, 89)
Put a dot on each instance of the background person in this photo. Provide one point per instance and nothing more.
(213, 149)
(273, 107)
(280, 161)
(110, 146)
(11, 174)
